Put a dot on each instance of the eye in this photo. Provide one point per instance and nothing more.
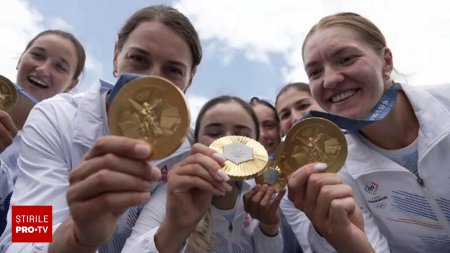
(303, 106)
(269, 125)
(37, 55)
(347, 59)
(313, 73)
(284, 115)
(61, 67)
(174, 70)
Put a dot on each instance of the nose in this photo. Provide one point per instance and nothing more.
(332, 77)
(43, 68)
(154, 71)
(296, 117)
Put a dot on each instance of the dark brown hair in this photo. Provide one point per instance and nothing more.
(220, 100)
(170, 17)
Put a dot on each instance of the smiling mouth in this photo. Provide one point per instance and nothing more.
(343, 96)
(36, 82)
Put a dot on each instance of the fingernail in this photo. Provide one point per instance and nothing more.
(227, 187)
(320, 166)
(142, 150)
(218, 157)
(223, 175)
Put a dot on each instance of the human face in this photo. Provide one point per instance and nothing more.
(47, 67)
(225, 119)
(346, 75)
(292, 105)
(268, 128)
(154, 49)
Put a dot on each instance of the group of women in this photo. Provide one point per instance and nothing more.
(392, 194)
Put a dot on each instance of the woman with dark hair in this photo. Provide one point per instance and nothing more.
(199, 212)
(95, 181)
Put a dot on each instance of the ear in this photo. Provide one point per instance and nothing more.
(116, 53)
(191, 77)
(388, 63)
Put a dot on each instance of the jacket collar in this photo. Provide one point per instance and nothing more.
(364, 160)
(90, 121)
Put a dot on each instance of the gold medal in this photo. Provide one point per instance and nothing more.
(8, 94)
(245, 156)
(151, 109)
(314, 140)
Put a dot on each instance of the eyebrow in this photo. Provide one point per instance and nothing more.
(334, 54)
(303, 100)
(44, 50)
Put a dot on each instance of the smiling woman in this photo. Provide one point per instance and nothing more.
(51, 64)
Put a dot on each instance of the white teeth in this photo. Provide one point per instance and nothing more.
(343, 95)
(38, 81)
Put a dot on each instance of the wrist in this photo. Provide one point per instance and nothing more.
(170, 238)
(269, 230)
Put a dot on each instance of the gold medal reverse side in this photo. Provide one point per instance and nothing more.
(8, 94)
(245, 156)
(151, 109)
(314, 140)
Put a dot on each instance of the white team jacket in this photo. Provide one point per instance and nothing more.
(56, 135)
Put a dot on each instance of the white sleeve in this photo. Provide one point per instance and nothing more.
(266, 244)
(151, 216)
(298, 221)
(43, 179)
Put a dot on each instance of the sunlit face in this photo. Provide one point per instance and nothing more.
(47, 67)
(268, 128)
(292, 105)
(154, 49)
(225, 119)
(346, 75)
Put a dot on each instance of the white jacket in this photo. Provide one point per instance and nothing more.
(56, 135)
(413, 218)
(243, 235)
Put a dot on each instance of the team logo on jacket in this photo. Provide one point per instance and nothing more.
(371, 188)
(375, 199)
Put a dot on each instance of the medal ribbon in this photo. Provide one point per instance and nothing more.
(123, 79)
(378, 112)
(29, 96)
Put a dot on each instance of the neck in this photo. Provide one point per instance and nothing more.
(399, 129)
(229, 200)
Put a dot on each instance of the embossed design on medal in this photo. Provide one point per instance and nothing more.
(8, 94)
(151, 109)
(315, 140)
(245, 156)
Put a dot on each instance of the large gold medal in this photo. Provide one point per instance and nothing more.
(151, 109)
(314, 140)
(8, 94)
(245, 156)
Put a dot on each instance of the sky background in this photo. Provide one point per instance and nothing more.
(250, 47)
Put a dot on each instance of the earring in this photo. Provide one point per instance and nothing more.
(387, 75)
(114, 73)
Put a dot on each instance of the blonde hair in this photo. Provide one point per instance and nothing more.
(200, 240)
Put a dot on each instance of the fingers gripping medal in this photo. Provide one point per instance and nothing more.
(8, 94)
(151, 109)
(273, 174)
(314, 140)
(245, 156)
